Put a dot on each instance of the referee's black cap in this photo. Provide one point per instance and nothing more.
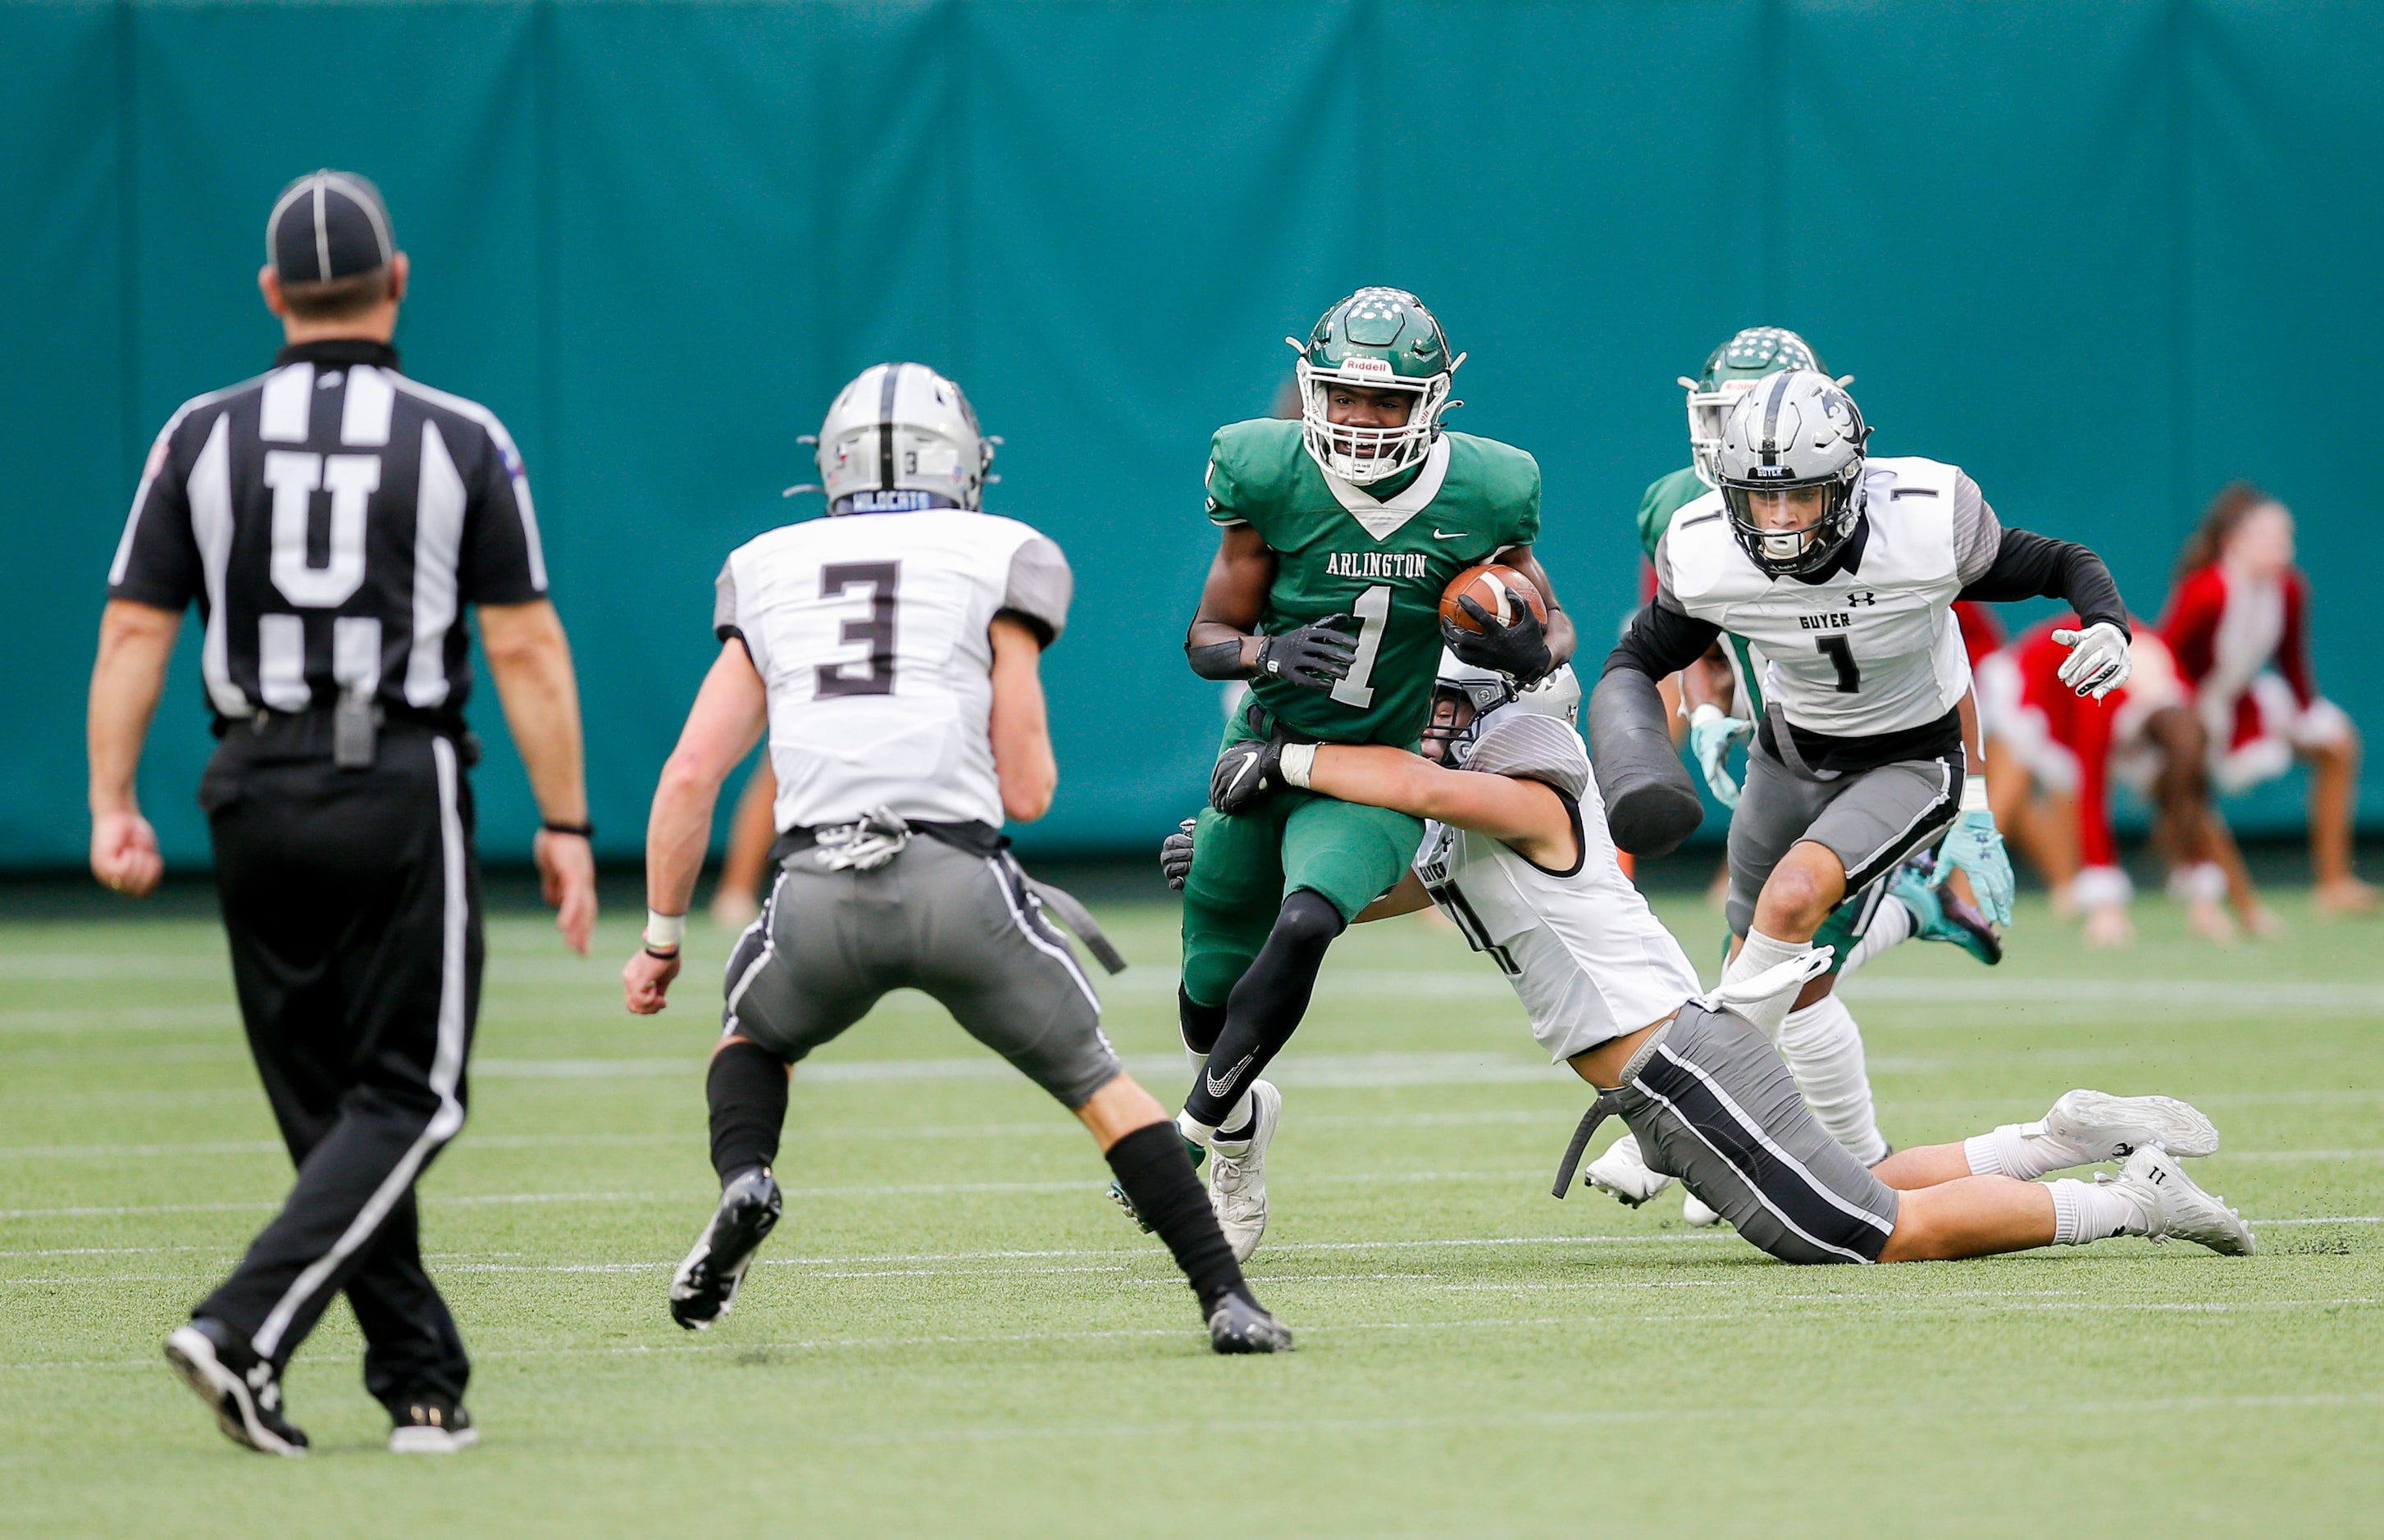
(328, 225)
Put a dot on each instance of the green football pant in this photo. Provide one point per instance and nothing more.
(1245, 866)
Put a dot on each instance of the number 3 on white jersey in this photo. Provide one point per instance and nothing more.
(1374, 607)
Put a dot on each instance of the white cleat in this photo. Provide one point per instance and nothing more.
(1623, 1172)
(1693, 1212)
(1237, 1173)
(2173, 1205)
(2096, 1127)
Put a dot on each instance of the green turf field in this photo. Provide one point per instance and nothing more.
(954, 1333)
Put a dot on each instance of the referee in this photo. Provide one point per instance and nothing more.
(331, 518)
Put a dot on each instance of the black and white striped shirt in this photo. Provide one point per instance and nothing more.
(332, 518)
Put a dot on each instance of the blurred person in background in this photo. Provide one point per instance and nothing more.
(2238, 621)
(2051, 757)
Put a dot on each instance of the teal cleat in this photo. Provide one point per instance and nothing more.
(1938, 915)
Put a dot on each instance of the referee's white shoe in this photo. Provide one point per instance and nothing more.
(706, 1282)
(241, 1389)
(431, 1425)
(1237, 1180)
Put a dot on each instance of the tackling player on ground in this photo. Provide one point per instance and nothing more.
(1519, 857)
(891, 651)
(1339, 533)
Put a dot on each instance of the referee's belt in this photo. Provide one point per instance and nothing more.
(311, 730)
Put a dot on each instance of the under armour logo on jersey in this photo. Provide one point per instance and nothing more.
(1867, 596)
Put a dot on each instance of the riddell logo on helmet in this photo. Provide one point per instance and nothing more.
(1367, 366)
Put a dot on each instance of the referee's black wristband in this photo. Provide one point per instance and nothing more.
(585, 831)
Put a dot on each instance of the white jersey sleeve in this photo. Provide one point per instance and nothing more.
(1584, 954)
(1862, 651)
(870, 633)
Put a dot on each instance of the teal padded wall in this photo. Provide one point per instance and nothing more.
(2104, 257)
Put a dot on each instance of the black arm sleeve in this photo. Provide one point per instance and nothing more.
(1217, 660)
(2030, 566)
(1661, 643)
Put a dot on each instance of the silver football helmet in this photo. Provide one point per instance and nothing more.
(1796, 430)
(902, 436)
(1486, 689)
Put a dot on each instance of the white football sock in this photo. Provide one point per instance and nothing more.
(1194, 1129)
(2020, 1150)
(1824, 1050)
(1890, 924)
(1242, 1120)
(2084, 1211)
(1763, 952)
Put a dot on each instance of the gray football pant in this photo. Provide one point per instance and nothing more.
(1713, 1105)
(962, 929)
(1870, 820)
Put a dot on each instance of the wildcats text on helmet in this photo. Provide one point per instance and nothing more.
(902, 436)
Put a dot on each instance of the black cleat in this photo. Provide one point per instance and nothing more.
(241, 1388)
(707, 1281)
(430, 1426)
(1238, 1324)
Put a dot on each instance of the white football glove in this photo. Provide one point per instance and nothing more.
(2097, 663)
(1624, 1173)
(1711, 738)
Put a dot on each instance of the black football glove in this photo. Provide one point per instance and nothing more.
(1315, 656)
(1247, 772)
(1176, 855)
(1519, 650)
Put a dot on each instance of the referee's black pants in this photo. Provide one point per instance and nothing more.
(352, 900)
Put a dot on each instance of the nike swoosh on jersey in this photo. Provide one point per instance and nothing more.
(1440, 534)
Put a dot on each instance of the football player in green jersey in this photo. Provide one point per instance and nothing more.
(1339, 533)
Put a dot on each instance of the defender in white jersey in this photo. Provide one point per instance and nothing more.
(891, 653)
(1520, 858)
(1841, 571)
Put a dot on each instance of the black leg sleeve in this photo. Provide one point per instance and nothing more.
(747, 1088)
(1265, 1007)
(1157, 1176)
(1200, 1024)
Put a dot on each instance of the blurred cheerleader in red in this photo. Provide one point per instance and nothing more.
(2239, 624)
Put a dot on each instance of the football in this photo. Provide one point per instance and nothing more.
(1497, 588)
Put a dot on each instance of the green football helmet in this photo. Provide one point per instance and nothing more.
(1376, 340)
(1756, 353)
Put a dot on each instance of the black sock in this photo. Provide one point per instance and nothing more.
(1198, 1022)
(1157, 1176)
(1265, 1007)
(747, 1088)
